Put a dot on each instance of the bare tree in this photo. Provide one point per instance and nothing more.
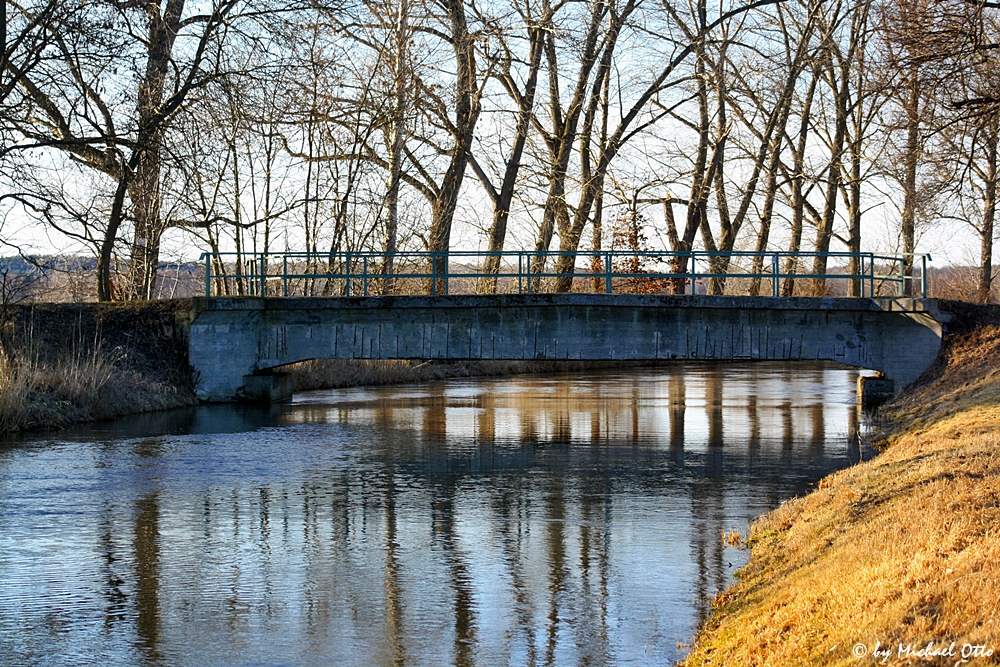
(965, 157)
(399, 66)
(524, 101)
(467, 93)
(74, 112)
(630, 124)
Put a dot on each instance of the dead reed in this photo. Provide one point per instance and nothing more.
(332, 373)
(36, 392)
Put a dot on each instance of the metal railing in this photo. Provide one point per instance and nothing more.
(526, 272)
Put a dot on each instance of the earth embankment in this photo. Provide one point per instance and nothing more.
(895, 560)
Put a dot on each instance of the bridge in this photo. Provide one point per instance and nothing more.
(285, 313)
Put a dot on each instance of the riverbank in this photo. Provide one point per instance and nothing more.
(62, 364)
(893, 556)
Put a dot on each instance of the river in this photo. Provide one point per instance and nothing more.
(567, 519)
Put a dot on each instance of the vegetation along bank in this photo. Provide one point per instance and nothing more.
(895, 560)
(66, 363)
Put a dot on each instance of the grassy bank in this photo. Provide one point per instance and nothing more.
(66, 363)
(900, 551)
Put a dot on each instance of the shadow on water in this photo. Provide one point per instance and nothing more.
(222, 418)
(548, 520)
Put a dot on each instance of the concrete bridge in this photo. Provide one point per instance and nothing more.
(236, 343)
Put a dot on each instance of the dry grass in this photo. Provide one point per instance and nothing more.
(901, 550)
(67, 363)
(732, 538)
(15, 390)
(77, 387)
(332, 373)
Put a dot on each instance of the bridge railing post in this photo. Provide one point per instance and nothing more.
(208, 273)
(923, 276)
(263, 276)
(902, 276)
(434, 282)
(871, 276)
(608, 275)
(347, 274)
(861, 273)
(775, 288)
(284, 275)
(694, 275)
(528, 271)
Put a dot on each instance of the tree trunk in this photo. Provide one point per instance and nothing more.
(989, 215)
(854, 208)
(144, 190)
(598, 283)
(824, 233)
(771, 189)
(3, 38)
(798, 195)
(911, 159)
(701, 179)
(679, 245)
(466, 114)
(765, 218)
(104, 287)
(402, 38)
(771, 141)
(504, 198)
(727, 232)
(556, 213)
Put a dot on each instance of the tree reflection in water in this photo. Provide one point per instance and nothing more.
(548, 520)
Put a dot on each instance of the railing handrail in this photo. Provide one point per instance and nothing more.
(563, 253)
(358, 266)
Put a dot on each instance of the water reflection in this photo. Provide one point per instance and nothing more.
(556, 520)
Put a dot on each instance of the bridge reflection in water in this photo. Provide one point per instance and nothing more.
(542, 520)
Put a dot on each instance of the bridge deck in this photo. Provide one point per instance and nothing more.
(233, 337)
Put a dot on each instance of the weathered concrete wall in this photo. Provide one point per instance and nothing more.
(233, 337)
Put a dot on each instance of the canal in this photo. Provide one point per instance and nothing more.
(533, 520)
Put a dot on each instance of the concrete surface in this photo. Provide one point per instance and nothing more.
(233, 337)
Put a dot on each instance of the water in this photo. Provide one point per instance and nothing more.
(549, 520)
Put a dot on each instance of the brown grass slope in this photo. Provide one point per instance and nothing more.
(903, 550)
